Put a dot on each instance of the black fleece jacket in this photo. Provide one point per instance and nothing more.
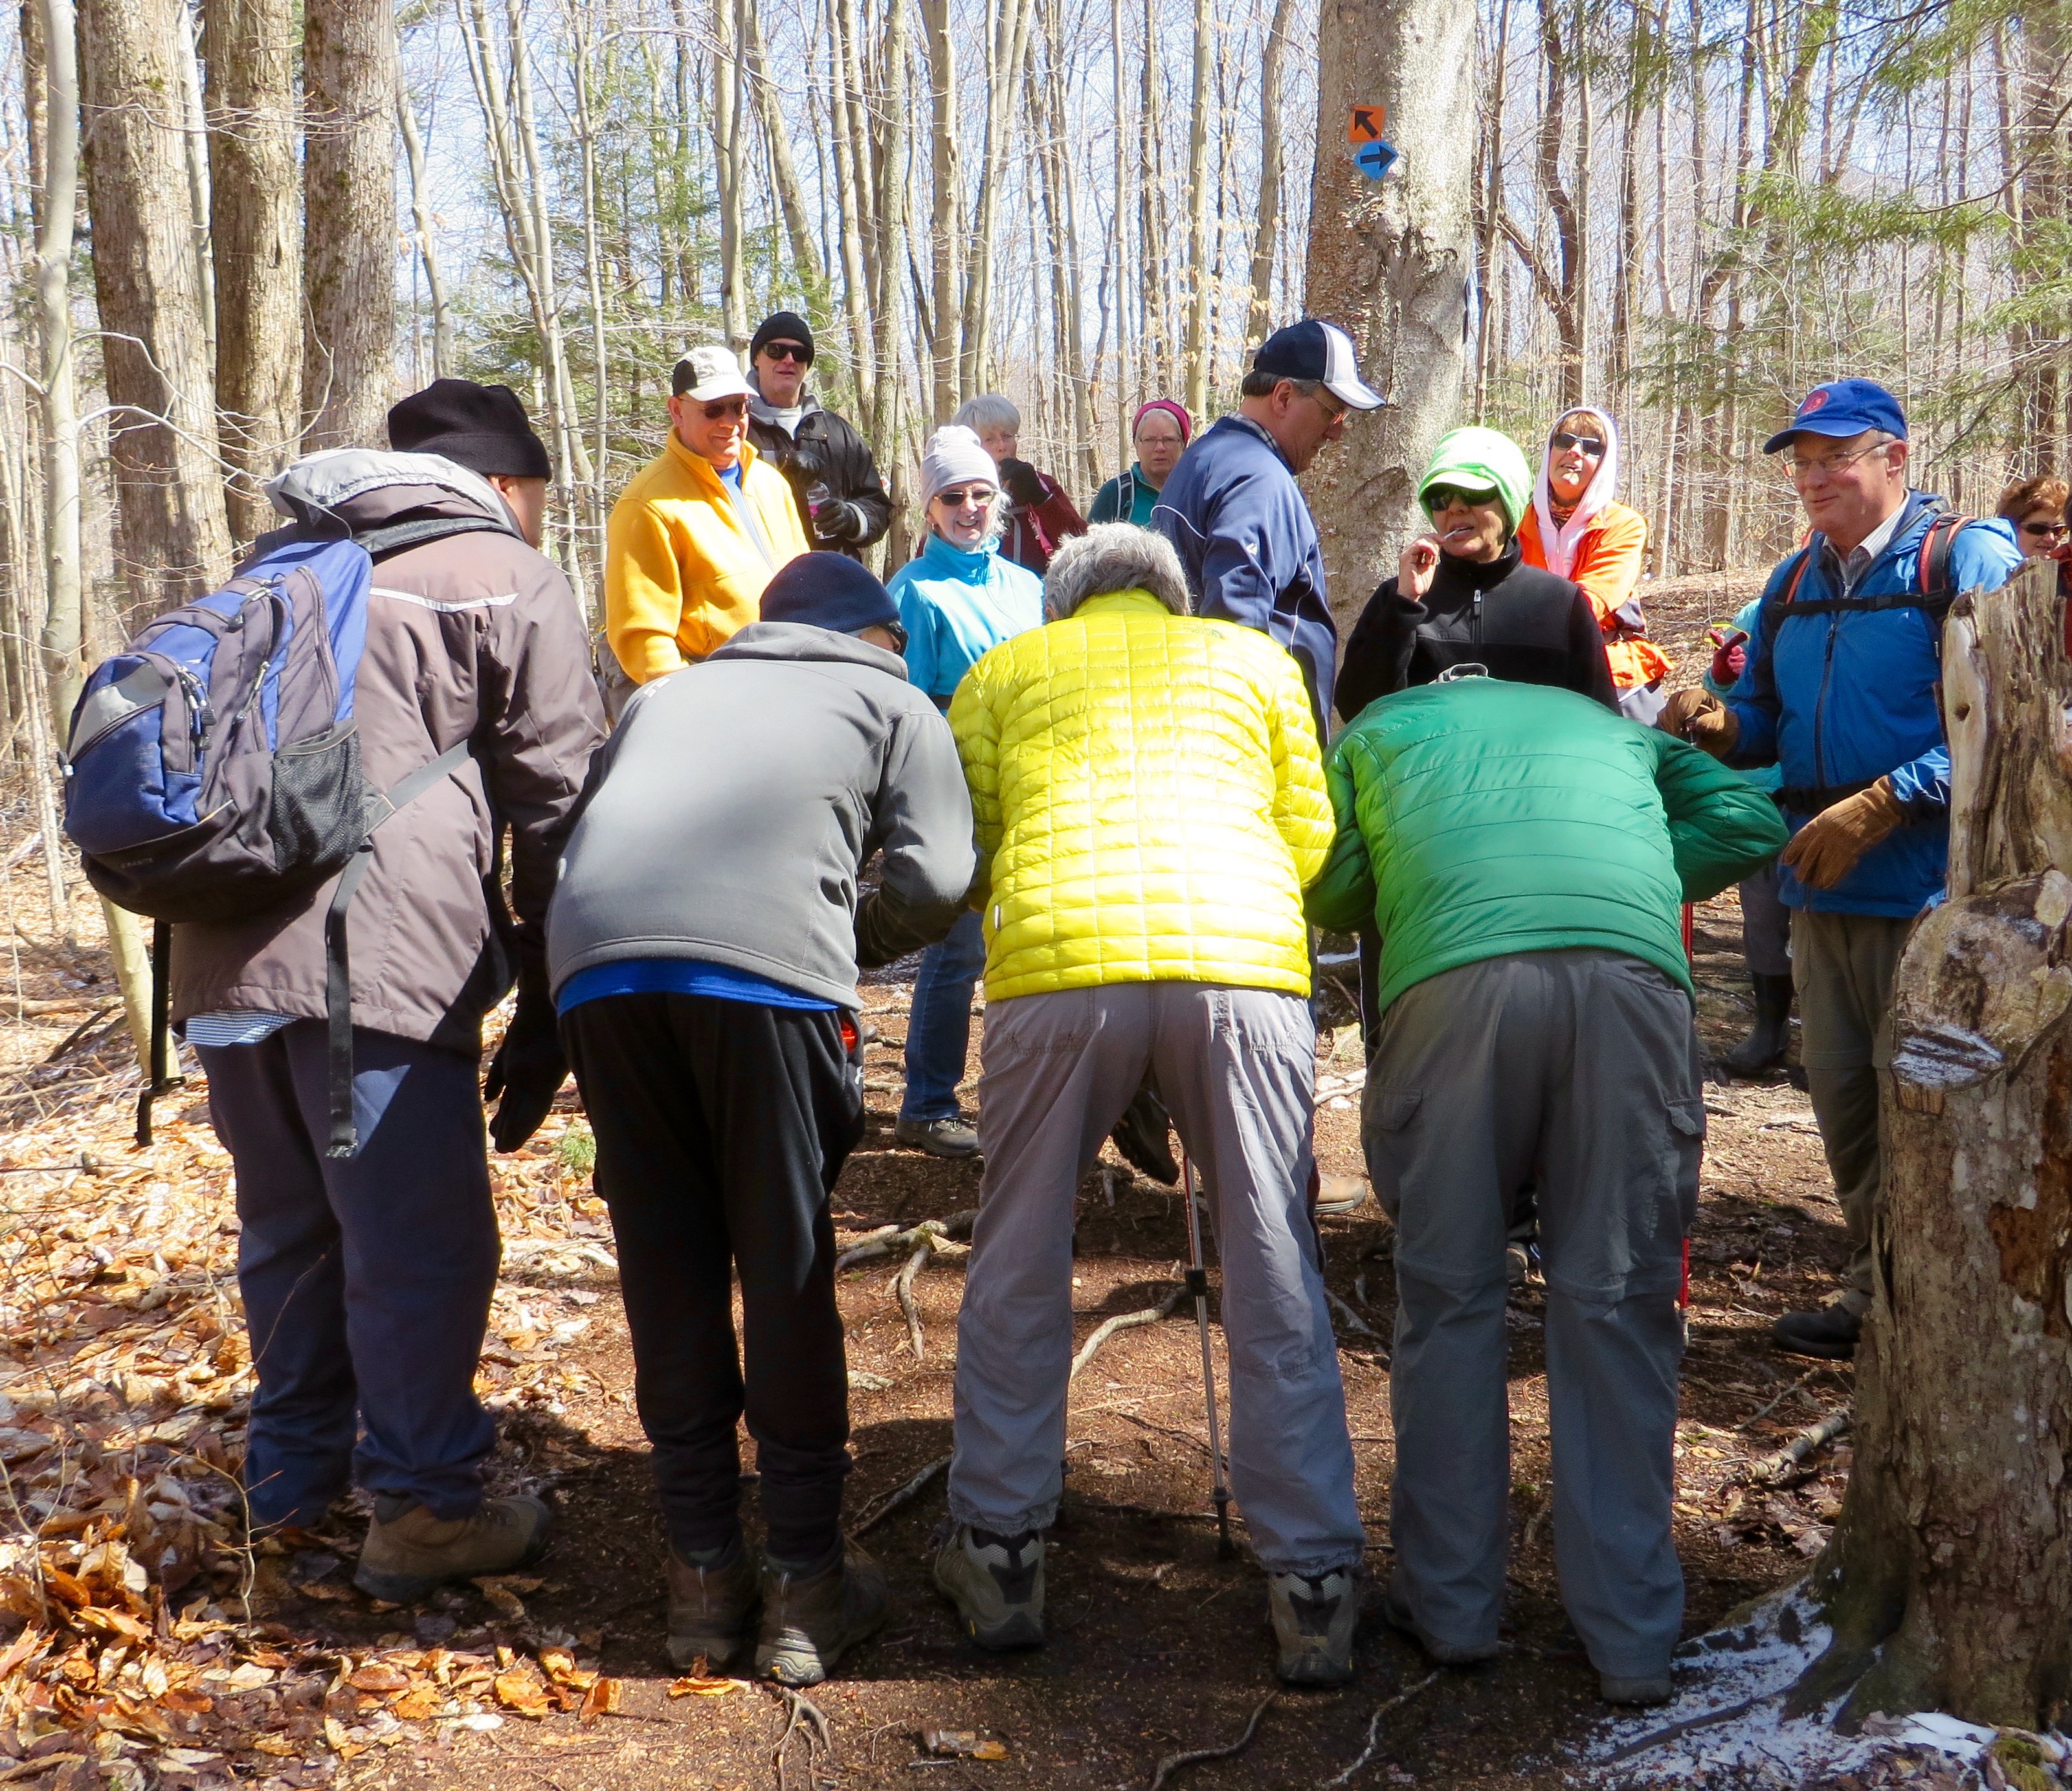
(827, 464)
(1526, 626)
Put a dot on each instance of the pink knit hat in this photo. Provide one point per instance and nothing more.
(1176, 411)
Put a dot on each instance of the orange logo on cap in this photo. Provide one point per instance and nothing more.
(1815, 399)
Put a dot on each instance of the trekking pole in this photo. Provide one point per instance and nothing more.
(1198, 1284)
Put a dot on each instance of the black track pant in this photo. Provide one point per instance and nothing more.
(720, 1127)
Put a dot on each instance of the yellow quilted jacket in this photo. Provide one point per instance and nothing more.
(1150, 799)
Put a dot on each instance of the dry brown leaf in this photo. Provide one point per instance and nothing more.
(602, 1700)
(695, 1686)
(112, 1623)
(195, 1703)
(374, 1677)
(273, 1744)
(419, 1702)
(21, 1648)
(561, 1667)
(519, 1690)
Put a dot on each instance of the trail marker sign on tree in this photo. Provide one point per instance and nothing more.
(1374, 159)
(1367, 124)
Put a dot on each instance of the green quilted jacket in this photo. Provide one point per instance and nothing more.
(1477, 819)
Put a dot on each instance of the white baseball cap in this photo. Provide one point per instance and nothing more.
(708, 372)
(1315, 350)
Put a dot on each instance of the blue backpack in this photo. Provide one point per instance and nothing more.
(212, 770)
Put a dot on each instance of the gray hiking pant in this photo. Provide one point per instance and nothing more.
(1843, 966)
(1235, 1066)
(1578, 1071)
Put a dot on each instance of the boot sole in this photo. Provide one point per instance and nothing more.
(407, 1588)
(1320, 1671)
(803, 1666)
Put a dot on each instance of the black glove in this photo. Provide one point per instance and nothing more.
(1022, 481)
(838, 520)
(1140, 1135)
(529, 1066)
(803, 462)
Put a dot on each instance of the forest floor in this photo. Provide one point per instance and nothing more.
(151, 1646)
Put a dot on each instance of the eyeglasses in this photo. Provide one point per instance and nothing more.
(1592, 445)
(1831, 465)
(725, 407)
(2048, 531)
(1445, 497)
(976, 497)
(1333, 406)
(789, 351)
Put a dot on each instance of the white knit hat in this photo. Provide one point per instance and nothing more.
(953, 456)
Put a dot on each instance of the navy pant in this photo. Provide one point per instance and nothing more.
(367, 1280)
(938, 1028)
(721, 1127)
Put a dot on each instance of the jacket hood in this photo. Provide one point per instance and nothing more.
(364, 487)
(1560, 544)
(801, 640)
(972, 565)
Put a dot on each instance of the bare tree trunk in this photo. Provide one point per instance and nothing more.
(1007, 55)
(798, 226)
(421, 220)
(173, 540)
(256, 233)
(729, 165)
(1199, 271)
(946, 268)
(1266, 235)
(1947, 1580)
(1391, 264)
(887, 306)
(349, 75)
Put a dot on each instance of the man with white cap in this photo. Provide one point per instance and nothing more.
(1233, 510)
(702, 530)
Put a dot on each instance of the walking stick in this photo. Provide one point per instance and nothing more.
(1198, 1285)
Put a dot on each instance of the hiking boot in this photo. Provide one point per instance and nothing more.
(1830, 1332)
(1517, 1265)
(1314, 1615)
(1770, 1037)
(1642, 1688)
(1144, 1136)
(811, 1618)
(955, 1138)
(408, 1552)
(997, 1583)
(1338, 1195)
(712, 1608)
(1395, 1613)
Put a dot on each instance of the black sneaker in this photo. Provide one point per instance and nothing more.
(955, 1138)
(1832, 1332)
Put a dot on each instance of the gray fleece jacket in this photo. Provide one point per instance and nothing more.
(730, 816)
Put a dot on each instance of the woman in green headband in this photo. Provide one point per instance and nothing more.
(1463, 595)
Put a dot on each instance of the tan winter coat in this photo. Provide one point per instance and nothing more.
(474, 636)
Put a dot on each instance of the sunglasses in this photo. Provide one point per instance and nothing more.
(1590, 444)
(898, 635)
(2049, 532)
(1445, 497)
(789, 351)
(976, 497)
(725, 407)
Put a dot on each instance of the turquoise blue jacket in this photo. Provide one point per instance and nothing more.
(956, 607)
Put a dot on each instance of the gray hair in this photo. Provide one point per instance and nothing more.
(989, 410)
(1114, 556)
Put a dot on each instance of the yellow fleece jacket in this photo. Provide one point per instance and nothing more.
(1149, 802)
(682, 570)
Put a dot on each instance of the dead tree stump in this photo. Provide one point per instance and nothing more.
(1949, 1579)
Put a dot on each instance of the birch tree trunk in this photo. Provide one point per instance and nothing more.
(172, 538)
(427, 246)
(1199, 271)
(1391, 265)
(1949, 1578)
(1266, 236)
(256, 236)
(349, 74)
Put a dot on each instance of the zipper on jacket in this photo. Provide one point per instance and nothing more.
(1475, 621)
(1820, 705)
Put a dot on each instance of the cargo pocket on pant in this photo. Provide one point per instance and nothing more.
(1386, 1117)
(1686, 1142)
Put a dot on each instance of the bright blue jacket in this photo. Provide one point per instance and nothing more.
(1843, 697)
(1233, 509)
(956, 607)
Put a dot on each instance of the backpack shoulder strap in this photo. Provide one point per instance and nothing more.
(1765, 621)
(1932, 566)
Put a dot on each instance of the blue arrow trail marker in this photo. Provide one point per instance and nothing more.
(1375, 159)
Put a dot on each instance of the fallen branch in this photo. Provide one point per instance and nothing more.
(899, 1495)
(1772, 1467)
(1172, 1763)
(519, 1247)
(1124, 1321)
(1757, 1417)
(889, 1240)
(1685, 1726)
(1374, 1728)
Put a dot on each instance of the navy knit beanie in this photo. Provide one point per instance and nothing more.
(829, 591)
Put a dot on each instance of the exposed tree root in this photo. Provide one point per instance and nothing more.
(899, 1495)
(1374, 1729)
(805, 1718)
(517, 1248)
(1768, 1469)
(1352, 1320)
(903, 1285)
(889, 1240)
(1124, 1321)
(1193, 1756)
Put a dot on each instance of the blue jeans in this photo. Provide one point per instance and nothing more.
(367, 1280)
(938, 1030)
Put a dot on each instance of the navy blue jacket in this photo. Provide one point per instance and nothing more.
(1841, 697)
(1244, 534)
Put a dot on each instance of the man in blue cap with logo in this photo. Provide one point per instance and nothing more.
(1232, 508)
(1840, 692)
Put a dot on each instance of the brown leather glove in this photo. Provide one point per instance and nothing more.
(1826, 850)
(1701, 718)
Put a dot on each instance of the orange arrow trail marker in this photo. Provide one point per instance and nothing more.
(1367, 124)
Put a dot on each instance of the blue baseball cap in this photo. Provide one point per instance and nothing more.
(1315, 350)
(1843, 408)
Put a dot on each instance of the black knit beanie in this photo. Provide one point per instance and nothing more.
(782, 327)
(482, 427)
